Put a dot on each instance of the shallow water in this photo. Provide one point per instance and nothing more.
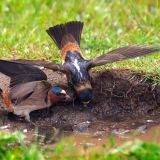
(94, 139)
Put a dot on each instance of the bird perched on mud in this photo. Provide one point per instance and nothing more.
(67, 38)
(29, 89)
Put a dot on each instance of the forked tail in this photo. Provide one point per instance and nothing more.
(65, 33)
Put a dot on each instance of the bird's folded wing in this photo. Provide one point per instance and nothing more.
(37, 89)
(122, 54)
(21, 92)
(21, 73)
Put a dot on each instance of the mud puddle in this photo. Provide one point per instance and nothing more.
(120, 135)
(126, 105)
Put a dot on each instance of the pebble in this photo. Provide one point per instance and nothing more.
(98, 134)
(41, 68)
(142, 129)
(90, 144)
(25, 131)
(81, 127)
(149, 121)
(120, 132)
(5, 127)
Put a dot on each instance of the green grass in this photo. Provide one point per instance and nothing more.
(12, 147)
(108, 25)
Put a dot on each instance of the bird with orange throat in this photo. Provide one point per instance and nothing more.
(67, 38)
(29, 89)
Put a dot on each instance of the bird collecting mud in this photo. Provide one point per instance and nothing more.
(29, 89)
(67, 38)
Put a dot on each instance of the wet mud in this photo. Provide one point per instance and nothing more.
(123, 100)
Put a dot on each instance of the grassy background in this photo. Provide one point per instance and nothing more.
(108, 25)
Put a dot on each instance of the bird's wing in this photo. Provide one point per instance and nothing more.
(121, 54)
(21, 73)
(37, 90)
(45, 64)
(22, 91)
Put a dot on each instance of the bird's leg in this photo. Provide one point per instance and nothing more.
(73, 104)
(47, 111)
(90, 106)
(27, 116)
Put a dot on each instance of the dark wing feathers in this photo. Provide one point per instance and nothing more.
(64, 33)
(21, 73)
(45, 64)
(122, 54)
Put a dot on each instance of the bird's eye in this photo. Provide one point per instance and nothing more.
(60, 94)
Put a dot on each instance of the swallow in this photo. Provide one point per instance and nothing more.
(67, 38)
(28, 90)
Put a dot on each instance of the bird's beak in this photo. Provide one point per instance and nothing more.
(85, 104)
(67, 98)
(63, 92)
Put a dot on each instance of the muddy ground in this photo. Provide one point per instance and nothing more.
(122, 100)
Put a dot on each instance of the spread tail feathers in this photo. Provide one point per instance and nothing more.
(64, 33)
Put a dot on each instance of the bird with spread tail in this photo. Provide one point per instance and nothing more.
(29, 89)
(67, 38)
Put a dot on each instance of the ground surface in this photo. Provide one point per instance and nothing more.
(122, 101)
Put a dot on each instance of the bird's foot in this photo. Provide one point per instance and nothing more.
(27, 118)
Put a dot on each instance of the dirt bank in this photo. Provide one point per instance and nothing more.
(122, 99)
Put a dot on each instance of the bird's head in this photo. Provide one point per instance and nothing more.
(57, 94)
(84, 93)
(86, 96)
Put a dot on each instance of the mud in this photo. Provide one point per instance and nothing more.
(122, 101)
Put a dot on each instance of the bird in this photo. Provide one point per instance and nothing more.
(67, 37)
(29, 89)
